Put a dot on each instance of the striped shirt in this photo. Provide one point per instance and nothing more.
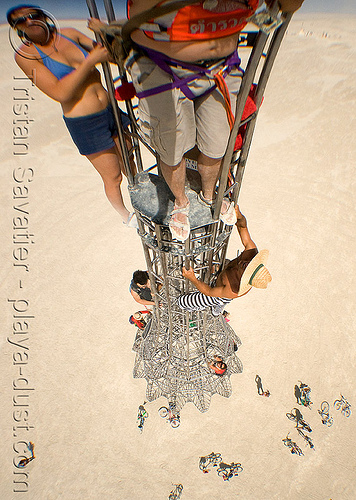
(197, 301)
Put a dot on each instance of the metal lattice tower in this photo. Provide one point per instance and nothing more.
(174, 350)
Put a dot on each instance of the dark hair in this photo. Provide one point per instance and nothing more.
(22, 6)
(140, 277)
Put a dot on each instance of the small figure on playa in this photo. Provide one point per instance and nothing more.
(142, 414)
(212, 459)
(218, 365)
(140, 288)
(175, 494)
(302, 394)
(170, 414)
(297, 417)
(63, 66)
(294, 448)
(22, 463)
(186, 71)
(227, 471)
(260, 390)
(235, 280)
(305, 394)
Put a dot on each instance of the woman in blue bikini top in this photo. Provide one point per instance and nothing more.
(63, 67)
(57, 68)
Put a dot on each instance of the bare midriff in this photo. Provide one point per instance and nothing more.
(189, 51)
(91, 99)
(183, 51)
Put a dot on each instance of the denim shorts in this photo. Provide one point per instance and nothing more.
(94, 133)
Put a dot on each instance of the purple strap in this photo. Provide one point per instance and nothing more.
(164, 62)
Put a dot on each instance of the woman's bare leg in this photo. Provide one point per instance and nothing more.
(108, 165)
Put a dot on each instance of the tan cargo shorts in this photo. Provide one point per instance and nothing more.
(173, 124)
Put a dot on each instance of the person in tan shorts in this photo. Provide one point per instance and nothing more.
(204, 34)
(178, 62)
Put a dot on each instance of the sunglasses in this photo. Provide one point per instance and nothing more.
(35, 16)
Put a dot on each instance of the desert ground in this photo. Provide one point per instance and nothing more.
(70, 286)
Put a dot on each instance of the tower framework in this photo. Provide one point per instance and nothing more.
(175, 348)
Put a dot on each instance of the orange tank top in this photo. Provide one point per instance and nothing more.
(205, 20)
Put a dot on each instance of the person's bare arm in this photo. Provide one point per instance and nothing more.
(68, 87)
(84, 41)
(287, 5)
(241, 225)
(218, 291)
(290, 5)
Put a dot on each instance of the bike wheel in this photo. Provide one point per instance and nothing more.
(163, 412)
(175, 423)
(324, 407)
(337, 404)
(216, 459)
(330, 421)
(290, 416)
(347, 412)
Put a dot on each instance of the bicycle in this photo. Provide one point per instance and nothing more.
(176, 493)
(227, 471)
(324, 413)
(22, 463)
(141, 416)
(343, 405)
(213, 459)
(172, 418)
(306, 438)
(294, 448)
(298, 417)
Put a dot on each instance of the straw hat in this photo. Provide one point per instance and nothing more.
(256, 274)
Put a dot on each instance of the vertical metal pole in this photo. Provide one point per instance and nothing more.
(163, 259)
(93, 11)
(187, 340)
(204, 337)
(110, 14)
(109, 9)
(262, 82)
(246, 83)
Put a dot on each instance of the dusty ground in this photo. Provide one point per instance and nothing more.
(298, 195)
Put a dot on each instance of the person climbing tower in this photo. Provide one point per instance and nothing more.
(186, 72)
(140, 288)
(63, 66)
(235, 280)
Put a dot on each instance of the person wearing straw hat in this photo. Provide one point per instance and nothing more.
(240, 275)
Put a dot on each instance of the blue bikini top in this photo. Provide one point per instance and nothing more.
(58, 69)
